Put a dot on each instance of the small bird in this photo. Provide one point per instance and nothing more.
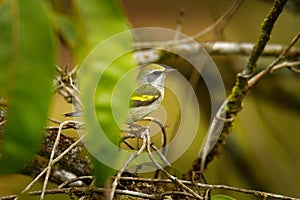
(148, 95)
(150, 91)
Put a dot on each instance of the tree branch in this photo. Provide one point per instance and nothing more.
(214, 49)
(235, 99)
(157, 194)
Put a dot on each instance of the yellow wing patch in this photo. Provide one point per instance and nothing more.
(144, 97)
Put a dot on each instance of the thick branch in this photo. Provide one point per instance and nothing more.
(264, 37)
(240, 88)
(214, 49)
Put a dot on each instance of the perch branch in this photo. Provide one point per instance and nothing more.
(131, 158)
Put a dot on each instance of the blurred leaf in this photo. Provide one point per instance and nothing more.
(221, 197)
(101, 20)
(27, 59)
(5, 47)
(66, 26)
(101, 70)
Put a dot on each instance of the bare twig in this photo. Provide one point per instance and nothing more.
(174, 193)
(3, 122)
(162, 156)
(50, 164)
(171, 177)
(223, 18)
(145, 136)
(131, 158)
(163, 131)
(274, 66)
(213, 134)
(295, 69)
(179, 24)
(68, 149)
(56, 159)
(285, 65)
(82, 190)
(213, 187)
(68, 182)
(54, 120)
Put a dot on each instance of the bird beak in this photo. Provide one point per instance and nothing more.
(168, 70)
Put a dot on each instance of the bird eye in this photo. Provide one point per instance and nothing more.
(156, 73)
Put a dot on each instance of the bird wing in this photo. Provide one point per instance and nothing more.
(144, 96)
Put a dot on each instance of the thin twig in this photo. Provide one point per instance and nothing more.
(82, 190)
(131, 158)
(53, 162)
(212, 187)
(3, 122)
(294, 69)
(163, 131)
(284, 65)
(221, 20)
(274, 65)
(64, 184)
(162, 156)
(34, 180)
(175, 193)
(226, 16)
(179, 24)
(213, 134)
(171, 177)
(52, 156)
